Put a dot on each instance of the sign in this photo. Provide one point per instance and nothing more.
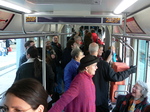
(70, 19)
(84, 20)
(112, 20)
(5, 19)
(30, 19)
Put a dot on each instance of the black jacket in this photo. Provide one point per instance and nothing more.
(27, 71)
(101, 79)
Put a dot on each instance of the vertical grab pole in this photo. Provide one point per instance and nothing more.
(44, 63)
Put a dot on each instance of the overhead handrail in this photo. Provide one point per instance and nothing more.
(15, 36)
(142, 37)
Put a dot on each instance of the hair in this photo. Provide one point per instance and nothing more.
(100, 45)
(93, 47)
(70, 43)
(27, 44)
(75, 53)
(92, 31)
(56, 36)
(76, 37)
(144, 90)
(33, 52)
(31, 91)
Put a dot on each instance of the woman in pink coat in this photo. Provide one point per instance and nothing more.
(80, 97)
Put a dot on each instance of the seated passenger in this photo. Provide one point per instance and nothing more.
(26, 95)
(80, 97)
(70, 70)
(147, 108)
(134, 102)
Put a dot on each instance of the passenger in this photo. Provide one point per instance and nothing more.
(32, 68)
(80, 97)
(78, 40)
(57, 48)
(115, 57)
(147, 108)
(103, 75)
(95, 37)
(25, 95)
(136, 101)
(66, 56)
(23, 58)
(7, 46)
(70, 70)
(87, 41)
(101, 51)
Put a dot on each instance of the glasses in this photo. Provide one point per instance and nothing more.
(6, 109)
(135, 87)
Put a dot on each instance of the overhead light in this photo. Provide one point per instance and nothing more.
(124, 5)
(13, 6)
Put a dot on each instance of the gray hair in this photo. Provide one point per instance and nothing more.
(144, 88)
(93, 47)
(75, 52)
(76, 37)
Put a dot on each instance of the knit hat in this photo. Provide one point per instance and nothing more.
(87, 60)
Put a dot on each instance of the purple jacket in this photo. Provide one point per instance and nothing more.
(80, 97)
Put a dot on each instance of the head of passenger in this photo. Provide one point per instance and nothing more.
(93, 49)
(77, 40)
(140, 90)
(29, 43)
(70, 44)
(55, 39)
(100, 50)
(88, 64)
(92, 31)
(32, 55)
(32, 52)
(77, 54)
(26, 95)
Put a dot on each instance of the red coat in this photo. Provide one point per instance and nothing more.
(80, 97)
(96, 39)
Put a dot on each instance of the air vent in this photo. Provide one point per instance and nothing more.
(91, 2)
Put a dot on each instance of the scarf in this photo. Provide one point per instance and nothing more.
(133, 102)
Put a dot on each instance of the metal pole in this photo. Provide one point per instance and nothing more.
(44, 63)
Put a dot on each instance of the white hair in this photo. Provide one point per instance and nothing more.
(144, 88)
(93, 47)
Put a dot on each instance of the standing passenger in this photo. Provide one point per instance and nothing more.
(80, 97)
(103, 75)
(70, 70)
(57, 48)
(32, 68)
(28, 44)
(26, 95)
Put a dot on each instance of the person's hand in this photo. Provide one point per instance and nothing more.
(133, 69)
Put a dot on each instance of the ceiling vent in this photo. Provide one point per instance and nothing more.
(90, 2)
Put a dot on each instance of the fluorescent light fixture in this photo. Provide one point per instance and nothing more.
(124, 5)
(13, 6)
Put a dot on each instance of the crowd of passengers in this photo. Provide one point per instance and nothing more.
(82, 68)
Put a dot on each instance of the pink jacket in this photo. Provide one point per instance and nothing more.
(80, 97)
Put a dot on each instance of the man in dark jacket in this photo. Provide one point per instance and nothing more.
(59, 71)
(23, 58)
(101, 79)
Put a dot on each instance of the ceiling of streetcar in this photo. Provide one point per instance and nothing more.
(86, 6)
